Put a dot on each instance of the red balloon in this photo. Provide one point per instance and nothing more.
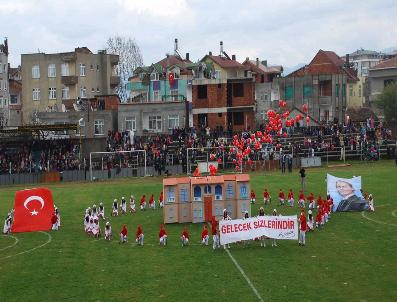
(304, 107)
(285, 134)
(219, 160)
(284, 104)
(280, 103)
(307, 119)
(297, 118)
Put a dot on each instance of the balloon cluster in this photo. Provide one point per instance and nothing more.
(244, 146)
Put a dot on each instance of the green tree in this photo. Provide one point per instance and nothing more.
(388, 102)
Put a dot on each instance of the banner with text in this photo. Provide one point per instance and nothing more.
(278, 227)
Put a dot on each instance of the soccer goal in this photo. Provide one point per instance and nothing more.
(117, 164)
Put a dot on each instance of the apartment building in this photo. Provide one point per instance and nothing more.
(49, 81)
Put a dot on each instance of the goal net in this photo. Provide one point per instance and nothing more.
(117, 164)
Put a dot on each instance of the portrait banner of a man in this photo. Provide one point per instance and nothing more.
(346, 194)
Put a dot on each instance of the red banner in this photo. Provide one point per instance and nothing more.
(33, 210)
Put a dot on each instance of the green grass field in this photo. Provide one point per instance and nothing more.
(351, 259)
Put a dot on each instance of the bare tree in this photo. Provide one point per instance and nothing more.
(130, 58)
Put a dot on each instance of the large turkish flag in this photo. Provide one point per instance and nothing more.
(171, 79)
(33, 210)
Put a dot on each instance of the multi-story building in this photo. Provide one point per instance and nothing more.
(15, 103)
(321, 85)
(160, 97)
(361, 60)
(4, 92)
(223, 94)
(267, 91)
(50, 80)
(381, 75)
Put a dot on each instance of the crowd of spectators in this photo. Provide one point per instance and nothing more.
(39, 156)
(165, 150)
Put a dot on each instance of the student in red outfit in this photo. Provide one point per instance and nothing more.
(266, 197)
(204, 235)
(152, 203)
(302, 228)
(163, 236)
(253, 197)
(54, 221)
(310, 198)
(214, 232)
(185, 237)
(139, 235)
(291, 198)
(301, 201)
(161, 199)
(143, 203)
(124, 234)
(281, 197)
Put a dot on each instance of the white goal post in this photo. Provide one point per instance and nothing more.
(115, 153)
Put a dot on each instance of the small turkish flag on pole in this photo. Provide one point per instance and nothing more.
(171, 78)
(33, 210)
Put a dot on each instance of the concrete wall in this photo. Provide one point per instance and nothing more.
(376, 81)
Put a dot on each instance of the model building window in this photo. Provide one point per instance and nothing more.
(183, 195)
(243, 191)
(197, 193)
(202, 91)
(207, 189)
(238, 89)
(218, 192)
(171, 194)
(229, 191)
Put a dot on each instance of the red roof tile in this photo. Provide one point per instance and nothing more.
(229, 177)
(172, 60)
(225, 62)
(242, 177)
(391, 63)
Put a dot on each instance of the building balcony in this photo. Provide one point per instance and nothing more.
(69, 80)
(114, 80)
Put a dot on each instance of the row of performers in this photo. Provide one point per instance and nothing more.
(306, 224)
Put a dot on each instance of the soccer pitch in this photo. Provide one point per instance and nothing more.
(352, 259)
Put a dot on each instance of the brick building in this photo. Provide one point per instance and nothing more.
(223, 94)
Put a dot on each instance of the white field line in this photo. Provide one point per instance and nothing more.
(32, 249)
(378, 221)
(10, 246)
(244, 275)
(394, 213)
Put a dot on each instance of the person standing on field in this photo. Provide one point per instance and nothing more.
(302, 173)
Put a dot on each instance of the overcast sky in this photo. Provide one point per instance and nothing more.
(283, 32)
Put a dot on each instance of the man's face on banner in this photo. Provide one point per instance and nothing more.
(344, 188)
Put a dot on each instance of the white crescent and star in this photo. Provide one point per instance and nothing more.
(31, 198)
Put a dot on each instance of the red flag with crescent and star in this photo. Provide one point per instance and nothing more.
(171, 78)
(33, 210)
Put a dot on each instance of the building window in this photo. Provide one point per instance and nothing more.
(52, 93)
(173, 121)
(307, 91)
(91, 67)
(388, 82)
(218, 192)
(92, 90)
(155, 122)
(350, 90)
(243, 191)
(36, 94)
(288, 92)
(82, 70)
(343, 90)
(238, 118)
(337, 90)
(52, 72)
(98, 127)
(65, 69)
(220, 114)
(238, 90)
(174, 94)
(207, 189)
(83, 92)
(183, 195)
(359, 90)
(65, 93)
(202, 91)
(97, 90)
(154, 76)
(229, 191)
(156, 96)
(197, 193)
(130, 123)
(171, 194)
(36, 72)
(13, 99)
